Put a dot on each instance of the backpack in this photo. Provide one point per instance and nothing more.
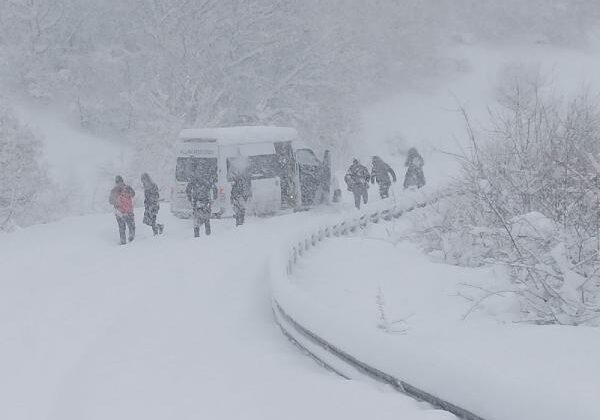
(124, 203)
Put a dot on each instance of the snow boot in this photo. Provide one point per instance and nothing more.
(196, 232)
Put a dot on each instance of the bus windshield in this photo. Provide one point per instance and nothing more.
(307, 157)
(256, 167)
(190, 167)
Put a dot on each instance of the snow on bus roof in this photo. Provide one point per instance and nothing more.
(244, 134)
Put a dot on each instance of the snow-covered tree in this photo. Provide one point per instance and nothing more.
(139, 70)
(26, 194)
(529, 200)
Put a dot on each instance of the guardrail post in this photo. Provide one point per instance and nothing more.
(374, 217)
(386, 214)
(344, 228)
(353, 226)
(363, 221)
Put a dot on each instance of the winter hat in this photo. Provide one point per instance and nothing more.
(118, 179)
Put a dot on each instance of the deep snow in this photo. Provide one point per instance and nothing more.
(390, 306)
(173, 327)
(165, 327)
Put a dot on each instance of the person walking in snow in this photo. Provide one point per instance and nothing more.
(380, 173)
(151, 205)
(199, 191)
(357, 179)
(121, 198)
(414, 172)
(241, 191)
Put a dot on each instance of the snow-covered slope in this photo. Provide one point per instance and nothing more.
(164, 328)
(78, 162)
(430, 119)
(386, 304)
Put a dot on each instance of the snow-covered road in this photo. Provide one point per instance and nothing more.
(164, 328)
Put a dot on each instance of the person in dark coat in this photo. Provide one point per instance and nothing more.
(241, 191)
(151, 205)
(414, 172)
(199, 191)
(380, 173)
(121, 198)
(357, 179)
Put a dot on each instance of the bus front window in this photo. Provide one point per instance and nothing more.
(189, 168)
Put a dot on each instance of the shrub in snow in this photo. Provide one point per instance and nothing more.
(529, 199)
(26, 194)
(533, 225)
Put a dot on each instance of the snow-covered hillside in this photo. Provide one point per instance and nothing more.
(78, 162)
(381, 300)
(176, 327)
(430, 119)
(499, 97)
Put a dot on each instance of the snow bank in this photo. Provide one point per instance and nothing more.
(533, 225)
(387, 305)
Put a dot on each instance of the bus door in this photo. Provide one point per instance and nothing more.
(287, 172)
(262, 169)
(190, 167)
(266, 188)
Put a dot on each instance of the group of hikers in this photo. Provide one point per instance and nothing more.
(202, 190)
(358, 176)
(121, 198)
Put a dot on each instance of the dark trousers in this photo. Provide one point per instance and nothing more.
(201, 217)
(150, 220)
(414, 178)
(239, 210)
(239, 216)
(123, 221)
(358, 194)
(384, 190)
(150, 215)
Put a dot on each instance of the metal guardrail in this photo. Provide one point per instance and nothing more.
(284, 320)
(343, 228)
